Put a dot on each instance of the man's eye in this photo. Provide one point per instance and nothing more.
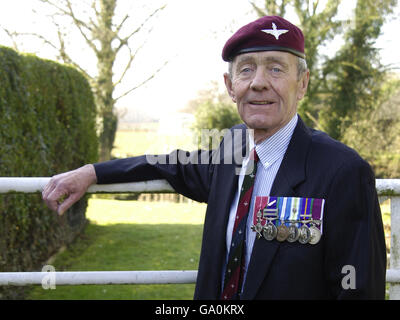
(245, 70)
(276, 70)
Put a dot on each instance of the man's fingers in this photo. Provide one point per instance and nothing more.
(68, 202)
(53, 184)
(47, 189)
(52, 200)
(69, 187)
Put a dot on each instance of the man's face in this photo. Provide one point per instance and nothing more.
(265, 87)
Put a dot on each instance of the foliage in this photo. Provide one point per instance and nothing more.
(217, 115)
(213, 110)
(375, 132)
(355, 77)
(47, 116)
(360, 107)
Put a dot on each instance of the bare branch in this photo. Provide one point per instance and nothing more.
(61, 50)
(68, 11)
(315, 5)
(79, 24)
(131, 56)
(118, 28)
(94, 8)
(142, 83)
(12, 37)
(56, 6)
(128, 65)
(66, 58)
(314, 120)
(125, 40)
(92, 23)
(45, 40)
(76, 20)
(257, 9)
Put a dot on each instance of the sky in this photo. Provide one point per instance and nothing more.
(189, 34)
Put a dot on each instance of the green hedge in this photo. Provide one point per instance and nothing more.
(47, 121)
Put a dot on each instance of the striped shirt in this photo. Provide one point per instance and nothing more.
(270, 152)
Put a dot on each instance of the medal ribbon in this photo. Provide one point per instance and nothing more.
(290, 209)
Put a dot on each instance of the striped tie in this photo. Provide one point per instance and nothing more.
(236, 261)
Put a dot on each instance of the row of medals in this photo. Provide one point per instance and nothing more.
(290, 233)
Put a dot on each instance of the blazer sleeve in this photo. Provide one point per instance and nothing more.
(355, 243)
(189, 173)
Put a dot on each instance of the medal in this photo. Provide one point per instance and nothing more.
(282, 233)
(269, 231)
(304, 234)
(283, 205)
(300, 219)
(293, 235)
(258, 226)
(315, 235)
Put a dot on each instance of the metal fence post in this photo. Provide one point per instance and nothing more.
(394, 287)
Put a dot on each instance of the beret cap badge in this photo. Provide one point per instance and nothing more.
(274, 31)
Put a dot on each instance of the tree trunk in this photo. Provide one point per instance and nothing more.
(107, 135)
(104, 86)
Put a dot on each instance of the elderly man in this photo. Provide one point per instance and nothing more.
(299, 218)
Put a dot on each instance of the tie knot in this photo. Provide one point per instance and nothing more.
(254, 155)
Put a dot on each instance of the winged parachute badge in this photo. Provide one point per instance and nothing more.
(275, 31)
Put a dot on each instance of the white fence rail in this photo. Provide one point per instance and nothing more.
(97, 277)
(387, 188)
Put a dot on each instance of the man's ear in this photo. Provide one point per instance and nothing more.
(228, 85)
(303, 85)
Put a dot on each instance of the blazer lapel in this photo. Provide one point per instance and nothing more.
(213, 253)
(290, 174)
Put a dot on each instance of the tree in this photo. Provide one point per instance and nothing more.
(97, 24)
(355, 77)
(375, 134)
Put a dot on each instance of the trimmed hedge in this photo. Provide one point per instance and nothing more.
(48, 126)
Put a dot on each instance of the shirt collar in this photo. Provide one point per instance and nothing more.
(274, 147)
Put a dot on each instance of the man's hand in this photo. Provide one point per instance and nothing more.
(69, 186)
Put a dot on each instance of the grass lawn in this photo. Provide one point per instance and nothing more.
(134, 143)
(132, 235)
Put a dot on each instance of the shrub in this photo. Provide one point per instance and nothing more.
(47, 121)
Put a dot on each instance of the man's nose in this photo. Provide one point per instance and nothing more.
(260, 81)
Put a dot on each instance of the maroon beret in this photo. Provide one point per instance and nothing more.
(269, 33)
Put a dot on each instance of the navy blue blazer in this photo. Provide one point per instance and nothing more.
(314, 166)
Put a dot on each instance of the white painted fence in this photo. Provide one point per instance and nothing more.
(97, 277)
(387, 188)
